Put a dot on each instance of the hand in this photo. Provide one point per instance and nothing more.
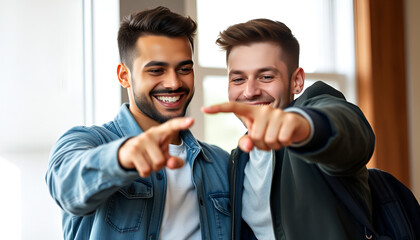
(148, 152)
(268, 128)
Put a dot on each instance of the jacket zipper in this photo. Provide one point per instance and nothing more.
(233, 196)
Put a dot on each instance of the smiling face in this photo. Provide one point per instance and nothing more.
(161, 84)
(258, 76)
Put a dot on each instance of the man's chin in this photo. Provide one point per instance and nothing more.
(163, 117)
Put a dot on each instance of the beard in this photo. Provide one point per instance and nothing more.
(147, 107)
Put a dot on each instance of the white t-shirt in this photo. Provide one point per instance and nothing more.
(181, 219)
(256, 210)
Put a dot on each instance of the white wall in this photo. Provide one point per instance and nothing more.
(41, 71)
(413, 88)
(28, 211)
(43, 93)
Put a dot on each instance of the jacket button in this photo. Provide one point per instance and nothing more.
(159, 176)
(201, 201)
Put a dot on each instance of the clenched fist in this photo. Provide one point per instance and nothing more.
(148, 152)
(268, 128)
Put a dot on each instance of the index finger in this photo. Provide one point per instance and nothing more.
(240, 109)
(175, 125)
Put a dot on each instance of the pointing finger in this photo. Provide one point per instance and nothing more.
(230, 107)
(178, 124)
(173, 126)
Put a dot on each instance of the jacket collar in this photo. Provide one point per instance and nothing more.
(126, 123)
(193, 145)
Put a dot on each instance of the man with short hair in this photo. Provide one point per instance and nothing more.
(277, 173)
(182, 191)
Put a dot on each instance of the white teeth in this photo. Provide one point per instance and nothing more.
(168, 99)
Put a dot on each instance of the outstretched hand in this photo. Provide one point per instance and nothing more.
(268, 128)
(149, 151)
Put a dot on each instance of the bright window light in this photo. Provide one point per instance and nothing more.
(230, 127)
(310, 25)
(10, 203)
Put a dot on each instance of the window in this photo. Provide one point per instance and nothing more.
(102, 96)
(324, 29)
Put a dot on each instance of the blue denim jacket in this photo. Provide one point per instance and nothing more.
(100, 200)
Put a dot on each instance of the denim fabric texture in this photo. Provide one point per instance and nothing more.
(101, 200)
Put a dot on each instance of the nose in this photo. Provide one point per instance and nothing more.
(172, 80)
(252, 89)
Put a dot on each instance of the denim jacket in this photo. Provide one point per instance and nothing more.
(100, 200)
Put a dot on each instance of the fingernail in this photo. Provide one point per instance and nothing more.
(189, 119)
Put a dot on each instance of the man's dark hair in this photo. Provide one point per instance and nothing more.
(157, 21)
(262, 30)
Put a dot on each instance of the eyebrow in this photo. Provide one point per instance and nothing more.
(235, 72)
(267, 69)
(165, 64)
(258, 71)
(186, 62)
(157, 63)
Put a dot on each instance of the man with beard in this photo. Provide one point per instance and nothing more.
(278, 172)
(182, 191)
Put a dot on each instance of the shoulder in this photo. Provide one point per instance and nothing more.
(319, 89)
(101, 134)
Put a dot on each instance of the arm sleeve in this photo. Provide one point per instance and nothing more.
(343, 140)
(320, 130)
(304, 114)
(84, 171)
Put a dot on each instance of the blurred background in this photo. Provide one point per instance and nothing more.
(58, 62)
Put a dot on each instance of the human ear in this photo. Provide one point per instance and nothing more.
(298, 80)
(123, 75)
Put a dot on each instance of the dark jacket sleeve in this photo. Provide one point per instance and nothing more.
(351, 140)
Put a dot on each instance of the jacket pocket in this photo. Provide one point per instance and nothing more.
(127, 207)
(221, 203)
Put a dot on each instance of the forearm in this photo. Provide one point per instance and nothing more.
(350, 141)
(83, 172)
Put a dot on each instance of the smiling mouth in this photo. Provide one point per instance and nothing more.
(168, 99)
(258, 104)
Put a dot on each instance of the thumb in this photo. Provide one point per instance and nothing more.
(174, 162)
(246, 144)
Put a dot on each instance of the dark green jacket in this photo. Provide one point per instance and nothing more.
(302, 204)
